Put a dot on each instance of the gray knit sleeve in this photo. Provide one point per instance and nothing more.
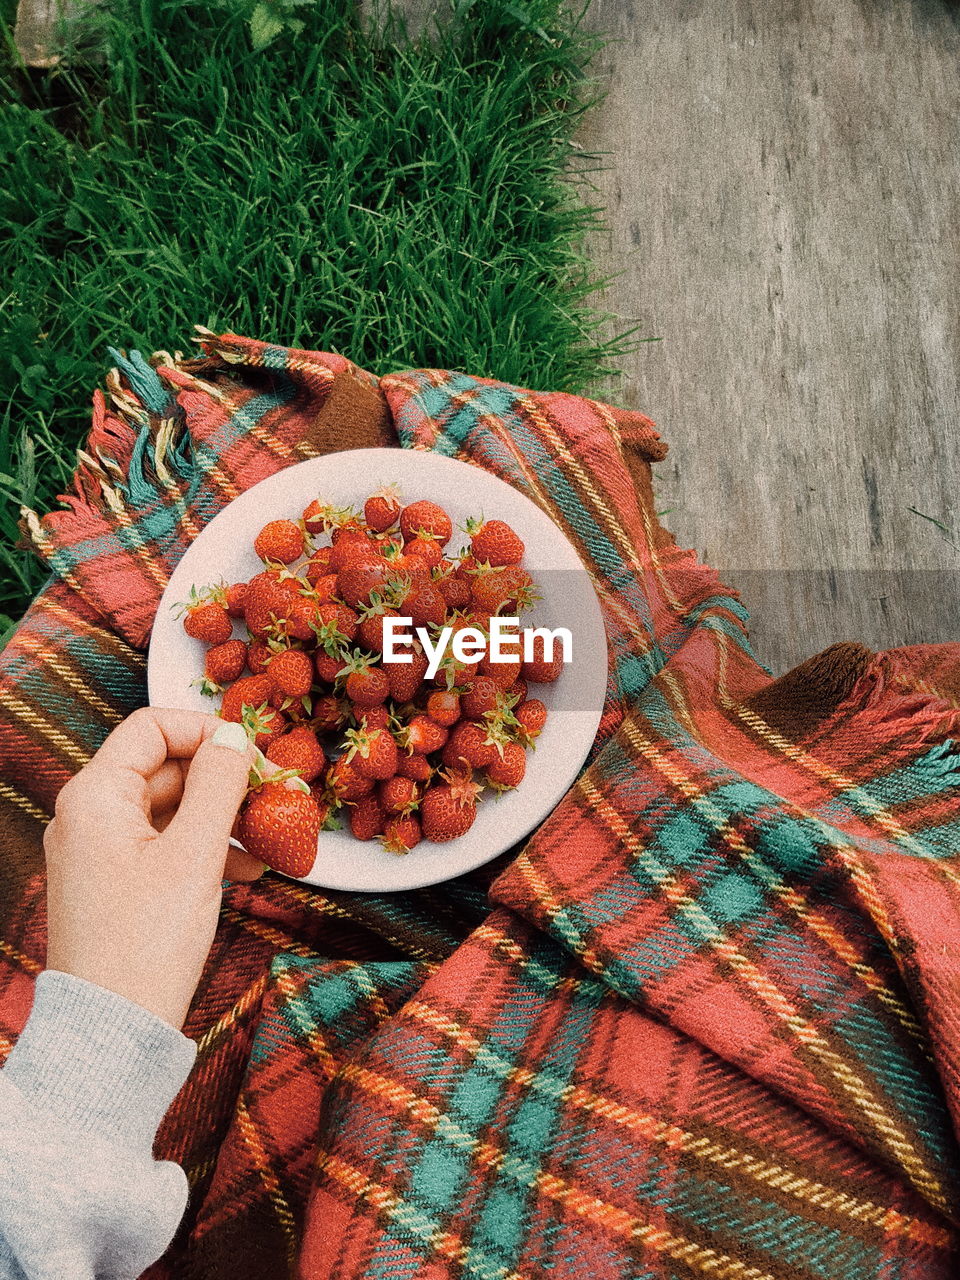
(81, 1097)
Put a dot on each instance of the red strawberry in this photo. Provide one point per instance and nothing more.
(259, 654)
(251, 691)
(372, 717)
(426, 607)
(360, 579)
(401, 833)
(299, 749)
(266, 603)
(517, 692)
(234, 598)
(344, 783)
(503, 674)
(367, 817)
(349, 544)
(324, 585)
(444, 706)
(280, 827)
(471, 744)
(405, 678)
(329, 666)
(367, 686)
(382, 509)
(263, 724)
(223, 664)
(502, 590)
(208, 621)
(398, 794)
(280, 540)
(339, 616)
(449, 809)
(318, 564)
(416, 766)
(425, 518)
(455, 591)
(539, 670)
(493, 542)
(370, 630)
(328, 713)
(373, 753)
(423, 735)
(532, 716)
(413, 570)
(506, 771)
(320, 517)
(482, 696)
(427, 549)
(292, 672)
(301, 617)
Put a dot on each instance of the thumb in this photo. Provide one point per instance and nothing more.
(213, 791)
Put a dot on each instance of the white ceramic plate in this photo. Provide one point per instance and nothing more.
(224, 550)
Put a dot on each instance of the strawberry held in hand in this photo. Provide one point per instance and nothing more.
(280, 825)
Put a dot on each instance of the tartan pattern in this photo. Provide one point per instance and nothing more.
(703, 1023)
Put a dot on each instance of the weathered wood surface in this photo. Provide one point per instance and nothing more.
(782, 198)
(782, 202)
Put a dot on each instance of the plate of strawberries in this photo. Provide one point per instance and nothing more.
(413, 646)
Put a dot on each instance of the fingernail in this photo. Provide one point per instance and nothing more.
(231, 735)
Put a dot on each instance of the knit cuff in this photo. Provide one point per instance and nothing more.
(97, 1061)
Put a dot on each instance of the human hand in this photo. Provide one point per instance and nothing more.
(137, 850)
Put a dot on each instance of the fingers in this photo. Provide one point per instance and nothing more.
(152, 735)
(242, 866)
(213, 791)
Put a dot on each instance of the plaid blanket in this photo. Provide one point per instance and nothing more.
(704, 1023)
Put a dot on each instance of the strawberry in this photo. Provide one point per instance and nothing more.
(426, 607)
(413, 570)
(208, 621)
(398, 794)
(423, 735)
(291, 670)
(483, 695)
(443, 705)
(382, 509)
(405, 678)
(328, 713)
(503, 674)
(344, 783)
(373, 753)
(367, 817)
(425, 518)
(366, 685)
(299, 749)
(251, 691)
(540, 671)
(259, 654)
(324, 585)
(493, 542)
(502, 590)
(455, 590)
(350, 544)
(265, 603)
(531, 715)
(370, 630)
(300, 618)
(506, 771)
(329, 666)
(319, 563)
(372, 717)
(448, 809)
(427, 549)
(341, 616)
(280, 826)
(263, 724)
(280, 540)
(517, 692)
(471, 744)
(416, 766)
(223, 664)
(401, 833)
(234, 598)
(319, 517)
(361, 578)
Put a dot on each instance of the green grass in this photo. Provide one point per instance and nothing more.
(403, 202)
